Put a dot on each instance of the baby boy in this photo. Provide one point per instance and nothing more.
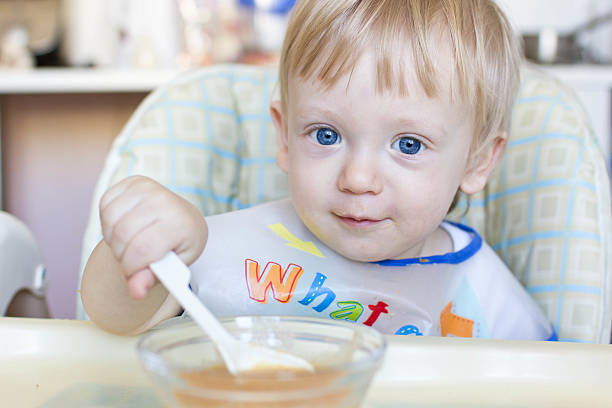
(388, 109)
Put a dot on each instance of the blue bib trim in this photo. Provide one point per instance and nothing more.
(448, 258)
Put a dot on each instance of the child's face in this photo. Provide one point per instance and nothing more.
(373, 174)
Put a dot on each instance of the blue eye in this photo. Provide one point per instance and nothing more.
(408, 145)
(325, 136)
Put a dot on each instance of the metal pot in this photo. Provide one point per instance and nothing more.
(549, 46)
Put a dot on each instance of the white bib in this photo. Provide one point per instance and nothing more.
(263, 260)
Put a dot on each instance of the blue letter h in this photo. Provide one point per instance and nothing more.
(316, 290)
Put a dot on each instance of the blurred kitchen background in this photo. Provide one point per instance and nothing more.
(143, 34)
(148, 34)
(73, 71)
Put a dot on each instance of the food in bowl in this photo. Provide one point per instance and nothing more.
(189, 372)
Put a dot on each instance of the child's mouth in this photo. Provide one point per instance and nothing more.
(358, 221)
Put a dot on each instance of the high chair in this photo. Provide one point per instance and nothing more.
(21, 266)
(546, 210)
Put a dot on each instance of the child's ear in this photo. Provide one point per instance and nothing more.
(483, 164)
(282, 156)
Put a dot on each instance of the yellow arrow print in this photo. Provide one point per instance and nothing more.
(295, 242)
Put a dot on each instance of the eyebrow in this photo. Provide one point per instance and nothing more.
(430, 128)
(314, 110)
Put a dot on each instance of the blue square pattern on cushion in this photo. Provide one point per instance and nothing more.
(204, 135)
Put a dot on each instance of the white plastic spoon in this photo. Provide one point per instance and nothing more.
(238, 356)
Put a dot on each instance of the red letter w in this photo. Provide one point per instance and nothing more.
(282, 283)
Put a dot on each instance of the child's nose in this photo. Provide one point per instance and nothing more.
(360, 176)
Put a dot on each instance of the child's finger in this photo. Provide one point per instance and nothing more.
(139, 283)
(115, 191)
(123, 197)
(132, 223)
(116, 209)
(149, 245)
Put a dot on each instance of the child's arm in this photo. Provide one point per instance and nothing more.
(141, 221)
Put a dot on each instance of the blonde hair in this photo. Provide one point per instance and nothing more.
(325, 38)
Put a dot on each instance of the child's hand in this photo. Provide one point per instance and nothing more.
(142, 221)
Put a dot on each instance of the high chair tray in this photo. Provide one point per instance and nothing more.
(52, 363)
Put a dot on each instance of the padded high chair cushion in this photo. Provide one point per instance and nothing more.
(209, 137)
(546, 209)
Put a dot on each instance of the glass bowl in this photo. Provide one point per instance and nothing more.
(189, 372)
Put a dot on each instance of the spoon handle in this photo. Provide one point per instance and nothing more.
(174, 275)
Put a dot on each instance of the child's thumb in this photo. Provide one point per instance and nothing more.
(140, 282)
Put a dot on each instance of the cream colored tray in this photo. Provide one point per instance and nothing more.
(67, 363)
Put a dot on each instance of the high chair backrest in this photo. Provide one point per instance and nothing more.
(21, 265)
(546, 210)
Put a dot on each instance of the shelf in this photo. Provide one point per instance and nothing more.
(582, 77)
(82, 80)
